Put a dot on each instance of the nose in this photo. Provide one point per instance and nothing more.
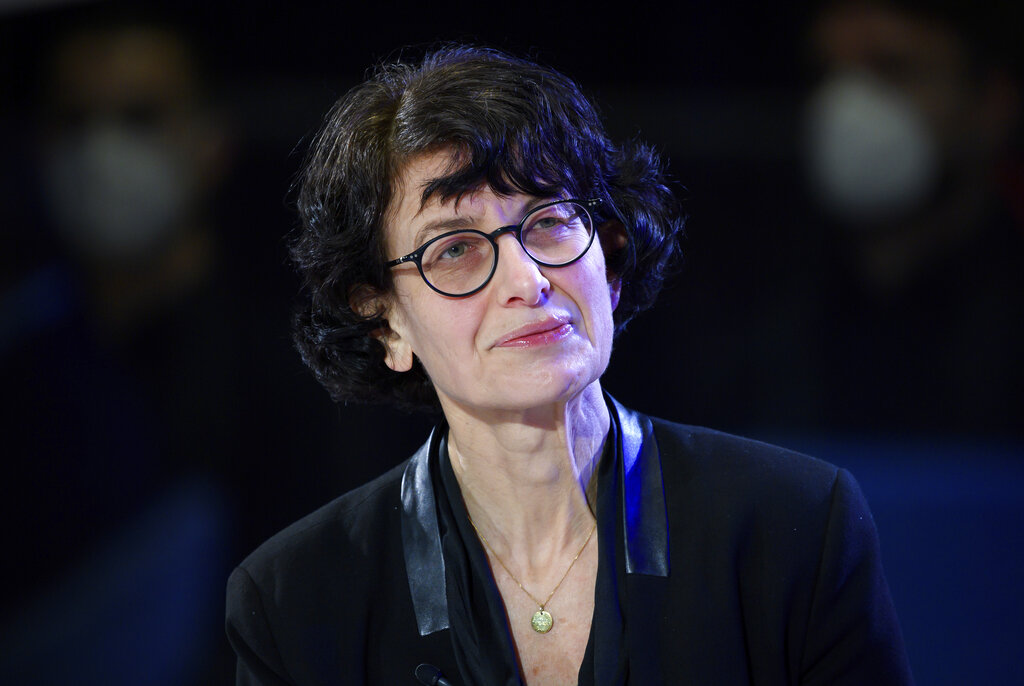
(518, 279)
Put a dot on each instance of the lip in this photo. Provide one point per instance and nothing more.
(543, 332)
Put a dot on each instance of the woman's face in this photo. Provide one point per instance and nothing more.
(533, 336)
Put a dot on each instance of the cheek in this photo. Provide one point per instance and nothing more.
(606, 298)
(606, 324)
(596, 299)
(443, 331)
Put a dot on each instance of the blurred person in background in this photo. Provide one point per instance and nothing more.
(150, 380)
(122, 368)
(912, 151)
(131, 153)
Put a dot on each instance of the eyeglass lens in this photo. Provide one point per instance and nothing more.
(462, 262)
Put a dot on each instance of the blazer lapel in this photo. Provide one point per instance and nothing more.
(645, 516)
(646, 549)
(421, 542)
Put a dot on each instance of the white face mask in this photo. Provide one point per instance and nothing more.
(116, 193)
(870, 153)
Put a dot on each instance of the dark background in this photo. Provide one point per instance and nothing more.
(142, 514)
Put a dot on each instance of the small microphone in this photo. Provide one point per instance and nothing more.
(429, 675)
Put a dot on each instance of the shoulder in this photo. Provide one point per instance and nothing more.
(741, 468)
(298, 603)
(755, 498)
(344, 529)
(785, 544)
(319, 569)
(327, 558)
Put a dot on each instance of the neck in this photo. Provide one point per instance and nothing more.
(525, 477)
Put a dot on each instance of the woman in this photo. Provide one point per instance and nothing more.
(472, 241)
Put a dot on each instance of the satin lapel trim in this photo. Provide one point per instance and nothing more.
(421, 542)
(645, 516)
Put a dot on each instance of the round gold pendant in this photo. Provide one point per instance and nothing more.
(542, 621)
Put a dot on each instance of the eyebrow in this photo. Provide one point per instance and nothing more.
(439, 226)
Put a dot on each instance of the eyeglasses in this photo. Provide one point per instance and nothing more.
(460, 263)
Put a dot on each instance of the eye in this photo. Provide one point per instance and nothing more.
(455, 250)
(555, 220)
(547, 222)
(552, 227)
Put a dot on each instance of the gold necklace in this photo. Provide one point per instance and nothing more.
(542, 621)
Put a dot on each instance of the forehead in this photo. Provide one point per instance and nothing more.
(408, 213)
(414, 176)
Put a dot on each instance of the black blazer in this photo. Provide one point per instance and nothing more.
(738, 563)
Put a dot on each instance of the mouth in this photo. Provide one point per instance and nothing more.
(544, 332)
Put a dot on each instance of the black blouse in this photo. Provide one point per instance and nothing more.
(479, 626)
(480, 633)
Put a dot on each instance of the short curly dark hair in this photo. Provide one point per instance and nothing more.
(512, 125)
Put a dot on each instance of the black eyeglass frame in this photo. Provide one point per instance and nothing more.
(515, 229)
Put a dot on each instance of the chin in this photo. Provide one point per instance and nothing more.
(527, 391)
(521, 387)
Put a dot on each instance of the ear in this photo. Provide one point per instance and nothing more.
(399, 355)
(368, 303)
(613, 238)
(615, 290)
